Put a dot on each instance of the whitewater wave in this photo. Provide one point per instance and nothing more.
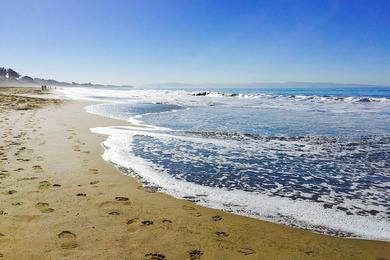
(313, 161)
(312, 98)
(295, 212)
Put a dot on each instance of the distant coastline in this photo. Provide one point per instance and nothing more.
(9, 77)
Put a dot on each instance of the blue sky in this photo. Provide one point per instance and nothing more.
(137, 42)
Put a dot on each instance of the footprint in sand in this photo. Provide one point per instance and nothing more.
(44, 207)
(155, 256)
(185, 207)
(27, 178)
(23, 160)
(10, 192)
(309, 252)
(94, 171)
(216, 218)
(222, 234)
(68, 239)
(131, 221)
(3, 175)
(37, 168)
(147, 222)
(196, 214)
(44, 185)
(121, 198)
(195, 254)
(246, 251)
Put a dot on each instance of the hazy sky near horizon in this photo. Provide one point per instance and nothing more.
(148, 41)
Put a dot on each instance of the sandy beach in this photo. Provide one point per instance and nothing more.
(60, 199)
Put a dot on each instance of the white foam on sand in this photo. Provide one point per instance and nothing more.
(304, 214)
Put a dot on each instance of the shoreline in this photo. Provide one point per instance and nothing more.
(59, 198)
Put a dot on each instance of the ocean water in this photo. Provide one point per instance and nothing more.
(315, 158)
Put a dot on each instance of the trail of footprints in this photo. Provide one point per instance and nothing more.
(68, 240)
(77, 144)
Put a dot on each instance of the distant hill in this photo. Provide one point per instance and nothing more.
(9, 77)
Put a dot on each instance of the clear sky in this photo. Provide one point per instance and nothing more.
(147, 41)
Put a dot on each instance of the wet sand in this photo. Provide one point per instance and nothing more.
(60, 199)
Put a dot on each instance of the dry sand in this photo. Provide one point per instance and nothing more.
(59, 199)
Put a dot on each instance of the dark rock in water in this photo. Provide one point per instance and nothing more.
(342, 208)
(200, 94)
(361, 213)
(327, 206)
(189, 197)
(373, 212)
(364, 100)
(231, 95)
